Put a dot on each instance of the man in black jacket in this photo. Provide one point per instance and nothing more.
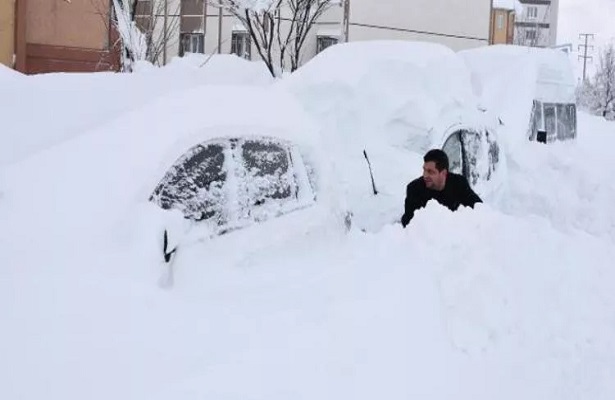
(449, 189)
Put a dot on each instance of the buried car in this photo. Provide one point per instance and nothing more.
(262, 176)
(390, 102)
(531, 90)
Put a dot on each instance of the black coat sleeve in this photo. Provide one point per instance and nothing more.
(412, 203)
(468, 197)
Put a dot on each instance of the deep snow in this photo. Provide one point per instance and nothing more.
(510, 300)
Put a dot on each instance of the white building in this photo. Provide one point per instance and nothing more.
(195, 26)
(536, 26)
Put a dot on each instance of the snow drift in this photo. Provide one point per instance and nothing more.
(510, 300)
(514, 82)
(70, 104)
(396, 100)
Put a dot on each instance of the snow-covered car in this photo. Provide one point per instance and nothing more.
(252, 172)
(389, 102)
(531, 90)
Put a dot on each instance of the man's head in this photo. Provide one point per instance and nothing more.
(435, 169)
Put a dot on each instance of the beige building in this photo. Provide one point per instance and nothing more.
(194, 26)
(7, 32)
(57, 36)
(502, 26)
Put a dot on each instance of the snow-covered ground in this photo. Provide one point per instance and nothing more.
(40, 111)
(510, 300)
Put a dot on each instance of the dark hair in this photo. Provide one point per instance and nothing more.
(439, 157)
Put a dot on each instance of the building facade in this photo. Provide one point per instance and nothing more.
(195, 26)
(502, 26)
(537, 25)
(7, 32)
(40, 36)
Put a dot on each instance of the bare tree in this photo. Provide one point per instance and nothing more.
(140, 33)
(522, 38)
(604, 81)
(531, 34)
(278, 28)
(597, 95)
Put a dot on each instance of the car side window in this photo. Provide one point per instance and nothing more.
(267, 166)
(452, 148)
(269, 186)
(195, 184)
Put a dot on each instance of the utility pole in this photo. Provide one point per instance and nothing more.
(585, 47)
(346, 19)
(220, 19)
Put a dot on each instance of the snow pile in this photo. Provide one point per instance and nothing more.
(43, 110)
(511, 300)
(508, 78)
(472, 304)
(395, 91)
(8, 74)
(112, 169)
(393, 99)
(216, 69)
(563, 183)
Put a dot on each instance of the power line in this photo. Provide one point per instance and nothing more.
(585, 47)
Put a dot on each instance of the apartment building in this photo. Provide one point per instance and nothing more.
(536, 26)
(39, 36)
(503, 17)
(194, 26)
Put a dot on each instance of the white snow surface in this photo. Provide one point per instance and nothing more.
(510, 300)
(68, 105)
(394, 99)
(508, 78)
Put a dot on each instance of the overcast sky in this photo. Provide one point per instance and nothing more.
(586, 16)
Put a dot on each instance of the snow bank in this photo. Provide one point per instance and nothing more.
(216, 69)
(8, 74)
(401, 92)
(394, 99)
(562, 182)
(508, 78)
(510, 300)
(107, 174)
(472, 304)
(44, 110)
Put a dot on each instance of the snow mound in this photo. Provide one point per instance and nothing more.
(395, 100)
(111, 171)
(70, 104)
(217, 69)
(559, 181)
(8, 74)
(394, 91)
(507, 79)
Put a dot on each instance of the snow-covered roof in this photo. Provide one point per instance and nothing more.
(514, 5)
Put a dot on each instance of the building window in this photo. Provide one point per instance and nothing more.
(322, 42)
(143, 15)
(500, 22)
(530, 34)
(241, 44)
(191, 43)
(532, 12)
